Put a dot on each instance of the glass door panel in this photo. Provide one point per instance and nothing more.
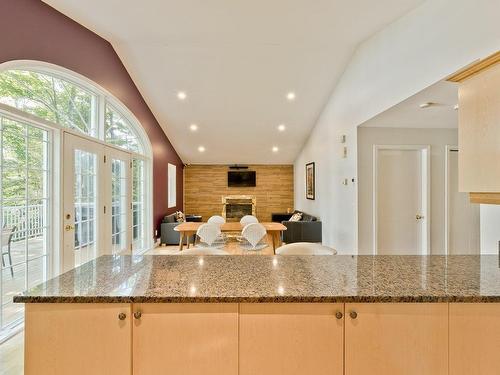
(119, 191)
(85, 201)
(83, 162)
(24, 201)
(138, 206)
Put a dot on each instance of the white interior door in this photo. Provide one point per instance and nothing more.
(83, 205)
(401, 220)
(463, 217)
(118, 169)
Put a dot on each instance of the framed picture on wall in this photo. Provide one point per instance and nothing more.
(310, 181)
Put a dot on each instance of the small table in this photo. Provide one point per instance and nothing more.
(188, 229)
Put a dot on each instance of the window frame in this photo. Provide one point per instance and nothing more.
(103, 97)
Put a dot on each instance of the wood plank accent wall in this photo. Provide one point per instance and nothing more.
(205, 185)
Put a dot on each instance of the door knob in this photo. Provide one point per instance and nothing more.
(122, 316)
(353, 314)
(419, 217)
(69, 227)
(339, 315)
(137, 315)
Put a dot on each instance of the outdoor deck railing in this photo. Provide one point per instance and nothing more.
(27, 219)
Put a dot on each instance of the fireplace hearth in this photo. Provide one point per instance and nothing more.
(234, 207)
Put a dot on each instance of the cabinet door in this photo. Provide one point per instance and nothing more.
(291, 339)
(479, 131)
(396, 339)
(474, 338)
(185, 339)
(78, 339)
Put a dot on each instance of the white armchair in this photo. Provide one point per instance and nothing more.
(254, 237)
(248, 219)
(216, 219)
(208, 234)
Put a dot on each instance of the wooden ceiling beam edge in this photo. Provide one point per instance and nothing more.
(485, 198)
(475, 68)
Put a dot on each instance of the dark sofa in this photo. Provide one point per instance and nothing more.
(167, 233)
(308, 229)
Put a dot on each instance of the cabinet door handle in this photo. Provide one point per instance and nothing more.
(353, 314)
(339, 315)
(137, 315)
(122, 316)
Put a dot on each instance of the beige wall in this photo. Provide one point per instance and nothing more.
(205, 185)
(437, 139)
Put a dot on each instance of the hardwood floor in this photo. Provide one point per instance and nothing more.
(232, 247)
(12, 355)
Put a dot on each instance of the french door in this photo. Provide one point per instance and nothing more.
(97, 201)
(25, 212)
(118, 206)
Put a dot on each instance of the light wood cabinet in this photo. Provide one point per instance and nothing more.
(77, 339)
(474, 338)
(479, 133)
(396, 338)
(263, 339)
(185, 339)
(291, 339)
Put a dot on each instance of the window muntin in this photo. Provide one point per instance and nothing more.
(69, 104)
(118, 131)
(51, 98)
(24, 202)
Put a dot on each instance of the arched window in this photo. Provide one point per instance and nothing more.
(66, 143)
(69, 102)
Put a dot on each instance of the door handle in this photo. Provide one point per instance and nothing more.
(69, 227)
(419, 217)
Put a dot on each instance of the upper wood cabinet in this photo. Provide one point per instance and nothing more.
(479, 130)
(396, 338)
(474, 338)
(78, 339)
(291, 339)
(185, 339)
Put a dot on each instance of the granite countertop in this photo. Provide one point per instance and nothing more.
(340, 278)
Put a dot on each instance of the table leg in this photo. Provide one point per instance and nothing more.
(187, 239)
(181, 236)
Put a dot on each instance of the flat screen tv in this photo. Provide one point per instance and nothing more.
(241, 178)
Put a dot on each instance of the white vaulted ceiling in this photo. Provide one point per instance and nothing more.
(236, 60)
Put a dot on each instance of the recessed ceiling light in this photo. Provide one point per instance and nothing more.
(281, 127)
(290, 96)
(193, 127)
(275, 148)
(181, 95)
(201, 149)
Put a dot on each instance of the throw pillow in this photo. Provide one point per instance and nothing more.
(179, 217)
(296, 216)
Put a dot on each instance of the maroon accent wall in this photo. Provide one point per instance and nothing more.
(32, 30)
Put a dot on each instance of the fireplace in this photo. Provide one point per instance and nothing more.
(234, 207)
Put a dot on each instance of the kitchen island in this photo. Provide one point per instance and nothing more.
(267, 315)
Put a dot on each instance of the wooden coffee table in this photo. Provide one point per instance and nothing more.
(188, 229)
